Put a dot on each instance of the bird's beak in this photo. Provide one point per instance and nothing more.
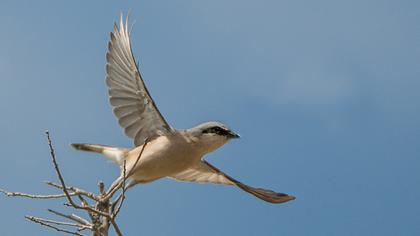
(233, 135)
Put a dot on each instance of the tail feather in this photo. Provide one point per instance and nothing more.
(115, 154)
(89, 147)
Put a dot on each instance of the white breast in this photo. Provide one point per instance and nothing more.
(162, 157)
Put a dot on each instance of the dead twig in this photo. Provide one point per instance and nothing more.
(74, 190)
(116, 227)
(44, 223)
(114, 188)
(63, 184)
(34, 196)
(121, 198)
(80, 226)
(102, 210)
(72, 217)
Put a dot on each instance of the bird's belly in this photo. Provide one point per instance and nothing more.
(158, 161)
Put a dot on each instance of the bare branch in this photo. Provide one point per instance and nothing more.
(86, 204)
(146, 141)
(63, 184)
(116, 228)
(33, 196)
(100, 208)
(72, 217)
(122, 195)
(83, 201)
(114, 188)
(76, 191)
(48, 224)
(57, 170)
(80, 226)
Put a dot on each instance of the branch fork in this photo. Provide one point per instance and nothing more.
(101, 209)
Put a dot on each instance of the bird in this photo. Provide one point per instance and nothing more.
(160, 151)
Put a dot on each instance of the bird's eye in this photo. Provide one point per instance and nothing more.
(219, 130)
(215, 130)
(209, 130)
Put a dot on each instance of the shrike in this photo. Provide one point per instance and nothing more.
(172, 153)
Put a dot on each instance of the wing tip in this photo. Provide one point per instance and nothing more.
(267, 195)
(286, 198)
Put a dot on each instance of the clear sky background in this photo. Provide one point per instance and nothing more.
(325, 95)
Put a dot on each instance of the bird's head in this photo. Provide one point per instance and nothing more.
(212, 135)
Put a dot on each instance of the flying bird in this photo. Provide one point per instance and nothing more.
(160, 151)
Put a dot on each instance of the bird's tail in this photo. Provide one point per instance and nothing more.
(115, 154)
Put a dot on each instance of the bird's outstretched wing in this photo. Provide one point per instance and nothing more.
(132, 104)
(204, 172)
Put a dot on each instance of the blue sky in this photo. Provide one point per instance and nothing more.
(325, 95)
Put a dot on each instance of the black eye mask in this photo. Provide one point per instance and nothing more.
(216, 130)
